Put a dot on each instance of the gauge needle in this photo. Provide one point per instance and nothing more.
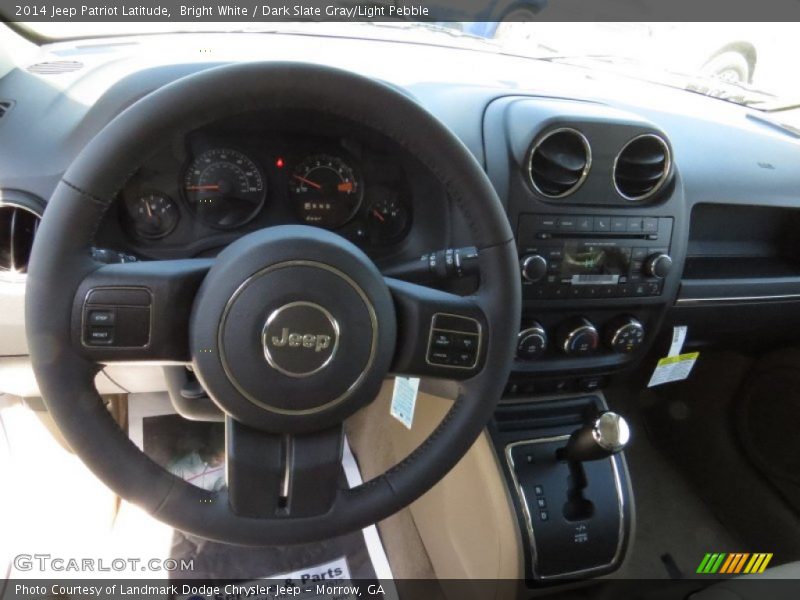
(149, 209)
(380, 217)
(313, 184)
(202, 188)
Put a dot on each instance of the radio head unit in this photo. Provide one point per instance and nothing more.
(584, 257)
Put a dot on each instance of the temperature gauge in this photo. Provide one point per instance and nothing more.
(387, 220)
(153, 215)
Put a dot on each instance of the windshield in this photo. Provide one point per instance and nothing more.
(737, 62)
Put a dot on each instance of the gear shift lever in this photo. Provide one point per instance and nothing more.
(607, 435)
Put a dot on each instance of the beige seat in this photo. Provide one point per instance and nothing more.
(777, 583)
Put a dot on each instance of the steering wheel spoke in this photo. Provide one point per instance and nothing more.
(282, 476)
(137, 311)
(439, 334)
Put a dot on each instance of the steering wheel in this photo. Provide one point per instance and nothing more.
(291, 329)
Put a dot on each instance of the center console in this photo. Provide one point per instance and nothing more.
(597, 208)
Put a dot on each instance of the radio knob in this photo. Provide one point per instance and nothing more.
(658, 265)
(624, 334)
(534, 267)
(578, 337)
(531, 342)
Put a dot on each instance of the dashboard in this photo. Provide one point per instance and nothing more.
(204, 188)
(634, 206)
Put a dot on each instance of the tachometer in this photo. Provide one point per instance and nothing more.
(224, 187)
(326, 191)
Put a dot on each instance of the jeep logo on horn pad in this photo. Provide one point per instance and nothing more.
(300, 339)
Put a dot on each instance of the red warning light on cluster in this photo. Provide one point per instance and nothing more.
(279, 162)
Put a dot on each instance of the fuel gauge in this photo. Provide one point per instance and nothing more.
(153, 215)
(387, 220)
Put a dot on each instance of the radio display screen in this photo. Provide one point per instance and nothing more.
(594, 263)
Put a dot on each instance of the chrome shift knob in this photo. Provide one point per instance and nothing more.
(608, 434)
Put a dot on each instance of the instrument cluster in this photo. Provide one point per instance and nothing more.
(218, 185)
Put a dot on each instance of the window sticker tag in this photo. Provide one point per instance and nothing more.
(404, 399)
(673, 368)
(678, 338)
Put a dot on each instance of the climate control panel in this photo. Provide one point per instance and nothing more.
(580, 337)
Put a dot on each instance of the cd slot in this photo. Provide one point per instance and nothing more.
(598, 236)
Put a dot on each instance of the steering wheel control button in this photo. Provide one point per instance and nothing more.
(454, 341)
(531, 342)
(300, 339)
(117, 317)
(101, 317)
(120, 296)
(442, 341)
(100, 336)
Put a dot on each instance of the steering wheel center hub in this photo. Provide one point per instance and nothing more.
(300, 338)
(287, 340)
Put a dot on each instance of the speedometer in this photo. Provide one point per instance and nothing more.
(224, 188)
(326, 191)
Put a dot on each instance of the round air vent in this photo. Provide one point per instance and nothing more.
(642, 167)
(18, 225)
(559, 162)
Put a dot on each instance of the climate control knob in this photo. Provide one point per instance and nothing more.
(657, 265)
(624, 334)
(531, 342)
(578, 337)
(533, 266)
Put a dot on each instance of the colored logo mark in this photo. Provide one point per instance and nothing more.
(734, 563)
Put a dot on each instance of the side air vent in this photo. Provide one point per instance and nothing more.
(56, 67)
(559, 162)
(18, 225)
(642, 167)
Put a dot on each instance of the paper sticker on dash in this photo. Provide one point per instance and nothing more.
(404, 399)
(673, 368)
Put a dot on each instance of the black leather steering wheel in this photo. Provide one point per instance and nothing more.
(290, 329)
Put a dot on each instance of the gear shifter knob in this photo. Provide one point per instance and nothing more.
(608, 434)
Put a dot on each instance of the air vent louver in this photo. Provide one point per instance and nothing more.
(56, 67)
(642, 167)
(18, 227)
(559, 163)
